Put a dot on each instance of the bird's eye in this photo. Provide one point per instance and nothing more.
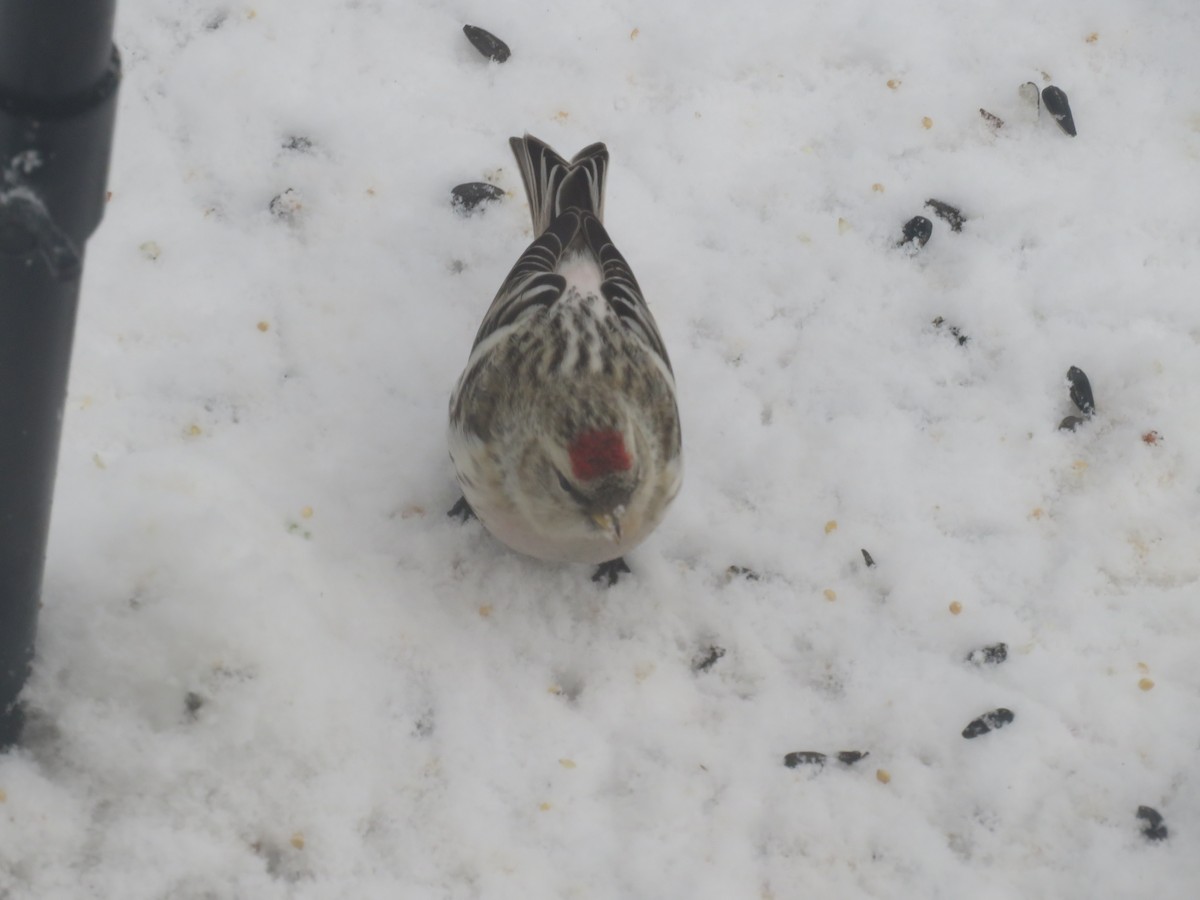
(570, 489)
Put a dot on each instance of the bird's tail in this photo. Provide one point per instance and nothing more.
(553, 185)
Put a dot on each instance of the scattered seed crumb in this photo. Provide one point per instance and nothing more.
(955, 608)
(567, 763)
(3, 795)
(844, 226)
(1037, 513)
(1151, 437)
(1093, 37)
(298, 840)
(150, 249)
(544, 807)
(877, 188)
(108, 196)
(633, 35)
(1146, 684)
(412, 511)
(926, 123)
(306, 513)
(370, 192)
(1079, 465)
(194, 431)
(882, 776)
(263, 326)
(831, 526)
(555, 689)
(830, 594)
(98, 461)
(562, 115)
(894, 83)
(1143, 668)
(485, 610)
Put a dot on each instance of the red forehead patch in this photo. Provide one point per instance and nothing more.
(597, 453)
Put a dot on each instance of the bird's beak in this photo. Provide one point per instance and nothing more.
(610, 524)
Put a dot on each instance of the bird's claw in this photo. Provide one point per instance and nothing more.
(611, 571)
(462, 510)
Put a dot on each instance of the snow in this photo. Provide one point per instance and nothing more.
(269, 665)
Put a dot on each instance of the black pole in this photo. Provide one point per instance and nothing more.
(59, 74)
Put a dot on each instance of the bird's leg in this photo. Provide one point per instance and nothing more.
(462, 509)
(611, 570)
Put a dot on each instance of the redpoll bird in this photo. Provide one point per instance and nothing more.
(564, 431)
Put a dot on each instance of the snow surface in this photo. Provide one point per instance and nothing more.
(269, 666)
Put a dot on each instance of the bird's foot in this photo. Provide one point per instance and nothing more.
(610, 571)
(462, 510)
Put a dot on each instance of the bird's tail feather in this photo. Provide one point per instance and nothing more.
(554, 185)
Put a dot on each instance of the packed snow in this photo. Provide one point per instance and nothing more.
(270, 666)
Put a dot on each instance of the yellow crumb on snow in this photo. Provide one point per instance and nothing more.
(567, 763)
(830, 594)
(298, 840)
(926, 123)
(263, 326)
(831, 526)
(306, 513)
(1146, 684)
(955, 608)
(882, 776)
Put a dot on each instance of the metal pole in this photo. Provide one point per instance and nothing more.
(59, 74)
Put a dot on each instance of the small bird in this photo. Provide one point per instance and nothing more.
(564, 431)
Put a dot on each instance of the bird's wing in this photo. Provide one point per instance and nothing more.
(620, 288)
(532, 283)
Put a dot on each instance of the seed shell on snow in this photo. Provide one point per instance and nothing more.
(1056, 104)
(1070, 423)
(804, 758)
(1153, 829)
(993, 120)
(707, 658)
(989, 721)
(465, 198)
(1081, 391)
(487, 43)
(917, 230)
(991, 655)
(951, 214)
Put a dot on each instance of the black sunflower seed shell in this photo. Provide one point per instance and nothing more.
(804, 758)
(487, 43)
(466, 197)
(989, 721)
(1081, 391)
(917, 230)
(1056, 103)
